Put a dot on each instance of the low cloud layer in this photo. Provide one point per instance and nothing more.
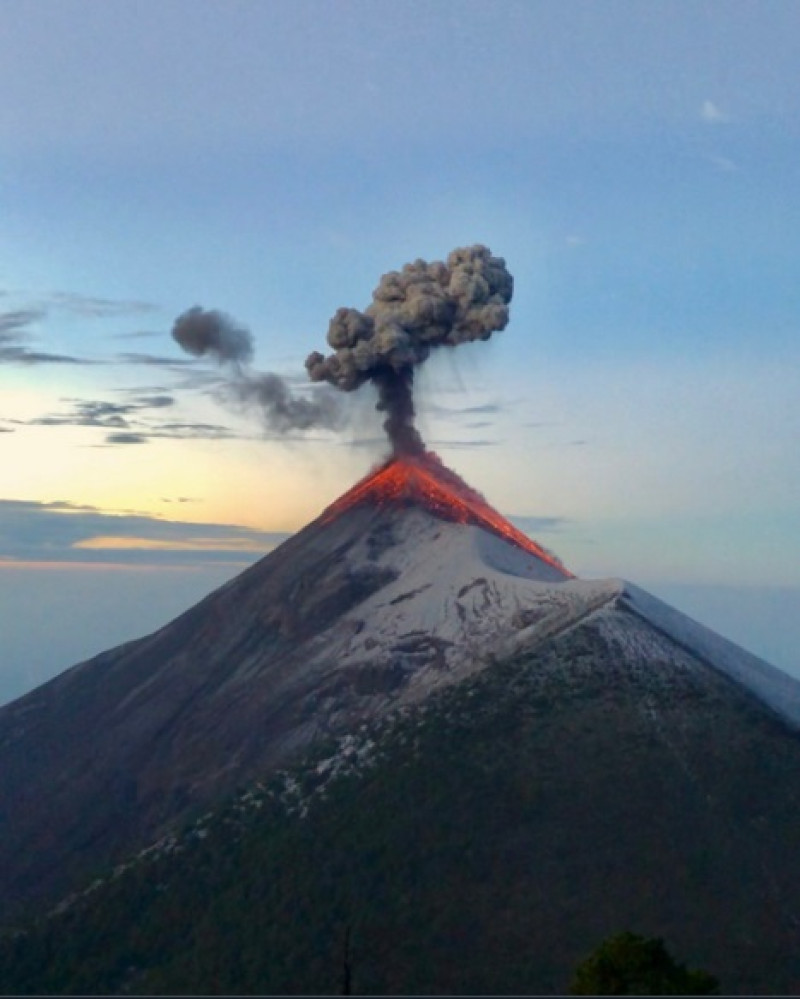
(66, 532)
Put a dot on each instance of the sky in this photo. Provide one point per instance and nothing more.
(636, 164)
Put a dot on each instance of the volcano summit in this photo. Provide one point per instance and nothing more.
(407, 589)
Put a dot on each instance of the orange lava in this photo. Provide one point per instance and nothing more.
(422, 480)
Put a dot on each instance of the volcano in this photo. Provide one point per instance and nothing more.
(408, 586)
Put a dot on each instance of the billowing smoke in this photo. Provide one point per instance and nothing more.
(208, 332)
(426, 305)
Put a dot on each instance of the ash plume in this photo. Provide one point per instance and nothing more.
(211, 333)
(424, 306)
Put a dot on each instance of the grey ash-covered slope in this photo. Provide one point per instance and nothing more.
(379, 604)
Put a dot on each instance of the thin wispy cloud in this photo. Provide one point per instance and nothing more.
(532, 525)
(126, 437)
(18, 320)
(15, 335)
(153, 360)
(134, 422)
(194, 431)
(92, 307)
(461, 445)
(713, 114)
(723, 163)
(18, 354)
(101, 413)
(136, 335)
(458, 411)
(379, 443)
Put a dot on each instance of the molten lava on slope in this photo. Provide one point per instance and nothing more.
(422, 480)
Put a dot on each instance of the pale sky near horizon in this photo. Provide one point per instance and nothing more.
(636, 164)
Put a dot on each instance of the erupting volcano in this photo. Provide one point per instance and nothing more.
(422, 480)
(410, 614)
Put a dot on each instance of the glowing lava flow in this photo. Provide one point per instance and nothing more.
(422, 480)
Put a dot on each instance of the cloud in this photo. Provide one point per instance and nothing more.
(378, 442)
(23, 355)
(64, 532)
(174, 431)
(711, 113)
(91, 307)
(461, 445)
(131, 422)
(488, 408)
(100, 413)
(136, 335)
(14, 326)
(125, 437)
(155, 401)
(89, 413)
(723, 163)
(153, 360)
(17, 321)
(531, 525)
(194, 431)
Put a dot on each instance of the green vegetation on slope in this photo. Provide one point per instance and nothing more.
(631, 965)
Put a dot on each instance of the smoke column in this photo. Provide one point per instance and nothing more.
(426, 305)
(210, 333)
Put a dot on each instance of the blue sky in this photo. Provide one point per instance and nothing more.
(635, 163)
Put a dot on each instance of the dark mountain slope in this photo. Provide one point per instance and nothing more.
(101, 757)
(483, 842)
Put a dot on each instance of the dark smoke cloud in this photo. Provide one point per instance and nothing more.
(208, 332)
(426, 305)
(284, 410)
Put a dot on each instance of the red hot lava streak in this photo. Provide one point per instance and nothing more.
(422, 480)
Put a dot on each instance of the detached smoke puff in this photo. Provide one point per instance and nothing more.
(425, 305)
(209, 332)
